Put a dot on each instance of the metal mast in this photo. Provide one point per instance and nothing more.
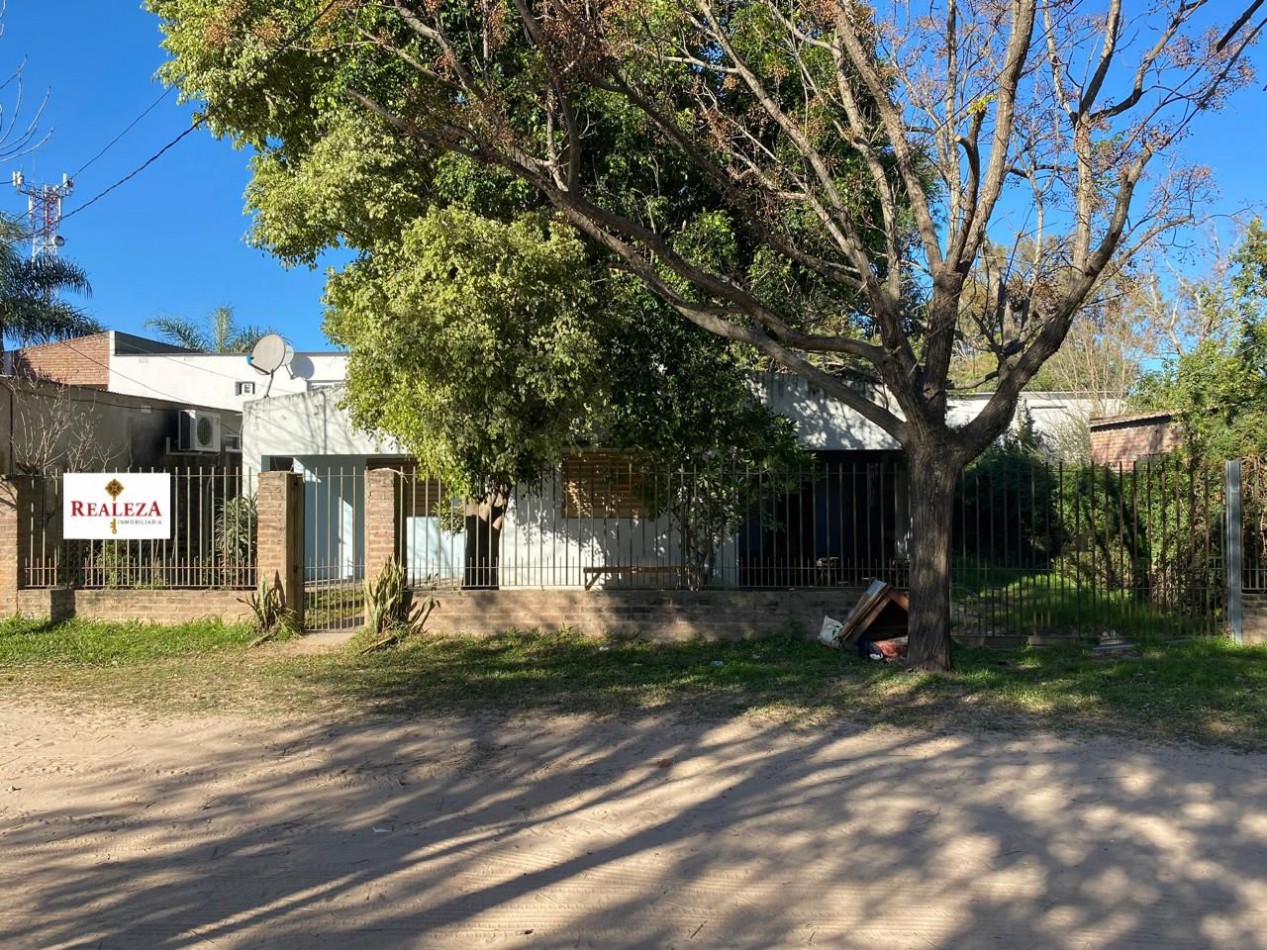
(44, 207)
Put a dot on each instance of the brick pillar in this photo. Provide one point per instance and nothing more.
(15, 530)
(382, 503)
(280, 545)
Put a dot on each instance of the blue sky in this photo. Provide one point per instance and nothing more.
(171, 240)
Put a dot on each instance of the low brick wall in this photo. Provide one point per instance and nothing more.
(659, 615)
(157, 606)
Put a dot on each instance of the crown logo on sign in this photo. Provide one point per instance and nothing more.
(113, 488)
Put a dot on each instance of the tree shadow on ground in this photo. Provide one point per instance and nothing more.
(567, 831)
(1203, 690)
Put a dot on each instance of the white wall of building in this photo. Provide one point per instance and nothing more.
(823, 424)
(540, 548)
(213, 379)
(304, 424)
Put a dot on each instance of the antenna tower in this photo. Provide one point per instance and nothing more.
(44, 207)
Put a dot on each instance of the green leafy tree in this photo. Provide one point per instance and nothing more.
(220, 332)
(471, 342)
(31, 306)
(692, 421)
(761, 166)
(1218, 386)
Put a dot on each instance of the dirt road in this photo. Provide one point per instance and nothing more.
(122, 833)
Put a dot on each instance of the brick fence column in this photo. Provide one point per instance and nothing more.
(280, 545)
(1254, 623)
(382, 501)
(15, 531)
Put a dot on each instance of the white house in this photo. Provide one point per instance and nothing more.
(219, 385)
(583, 527)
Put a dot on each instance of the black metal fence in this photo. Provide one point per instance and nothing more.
(602, 520)
(1040, 548)
(212, 543)
(1254, 524)
(1037, 547)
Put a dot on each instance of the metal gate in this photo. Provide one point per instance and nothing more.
(334, 547)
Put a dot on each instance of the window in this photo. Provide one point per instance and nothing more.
(600, 485)
(244, 389)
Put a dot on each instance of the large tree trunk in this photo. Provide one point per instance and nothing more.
(933, 475)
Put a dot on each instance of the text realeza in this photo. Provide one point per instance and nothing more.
(115, 509)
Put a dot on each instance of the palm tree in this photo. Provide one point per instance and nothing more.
(31, 310)
(220, 335)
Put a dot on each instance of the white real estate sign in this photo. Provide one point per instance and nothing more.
(120, 505)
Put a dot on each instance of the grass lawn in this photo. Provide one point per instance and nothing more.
(1039, 602)
(1205, 690)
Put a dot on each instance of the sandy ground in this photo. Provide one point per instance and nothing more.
(124, 833)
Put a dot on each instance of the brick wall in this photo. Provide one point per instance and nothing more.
(660, 615)
(83, 361)
(382, 488)
(151, 606)
(280, 536)
(13, 498)
(1254, 613)
(1123, 441)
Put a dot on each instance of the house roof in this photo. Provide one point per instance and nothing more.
(1134, 419)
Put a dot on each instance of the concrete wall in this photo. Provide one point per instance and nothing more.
(50, 427)
(305, 424)
(210, 379)
(1254, 614)
(824, 424)
(539, 548)
(314, 424)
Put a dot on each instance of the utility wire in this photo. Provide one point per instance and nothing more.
(136, 171)
(200, 120)
(131, 125)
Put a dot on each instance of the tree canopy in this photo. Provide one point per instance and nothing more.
(1218, 383)
(817, 184)
(220, 332)
(31, 306)
(482, 336)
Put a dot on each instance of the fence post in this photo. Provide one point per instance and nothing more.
(381, 504)
(15, 529)
(280, 557)
(1235, 556)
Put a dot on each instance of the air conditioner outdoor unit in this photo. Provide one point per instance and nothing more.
(199, 431)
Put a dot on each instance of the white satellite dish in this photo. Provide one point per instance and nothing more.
(271, 353)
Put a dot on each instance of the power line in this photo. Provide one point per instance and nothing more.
(136, 171)
(130, 126)
(200, 120)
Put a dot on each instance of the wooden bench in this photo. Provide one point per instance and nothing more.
(596, 572)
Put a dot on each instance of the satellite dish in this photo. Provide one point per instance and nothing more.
(270, 354)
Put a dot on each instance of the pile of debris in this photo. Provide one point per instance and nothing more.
(880, 613)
